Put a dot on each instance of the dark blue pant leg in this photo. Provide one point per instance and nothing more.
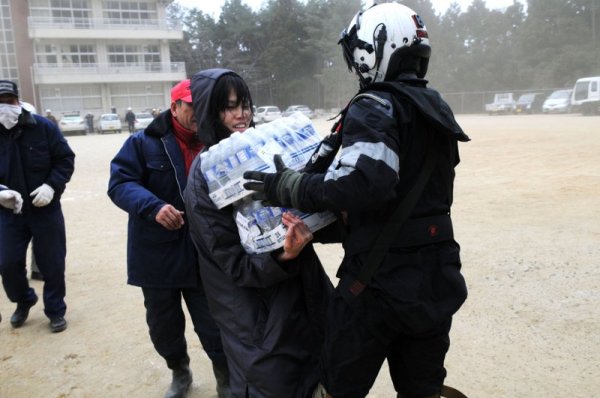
(50, 249)
(205, 326)
(166, 322)
(14, 239)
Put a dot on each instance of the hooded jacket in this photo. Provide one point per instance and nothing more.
(270, 314)
(32, 153)
(387, 132)
(147, 173)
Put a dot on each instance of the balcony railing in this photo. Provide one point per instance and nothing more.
(108, 69)
(102, 23)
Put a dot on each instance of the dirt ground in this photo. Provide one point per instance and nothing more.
(527, 215)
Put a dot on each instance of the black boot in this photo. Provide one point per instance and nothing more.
(221, 372)
(182, 378)
(21, 314)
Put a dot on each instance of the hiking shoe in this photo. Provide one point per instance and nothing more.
(20, 315)
(182, 380)
(58, 324)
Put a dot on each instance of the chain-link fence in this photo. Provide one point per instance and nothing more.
(474, 102)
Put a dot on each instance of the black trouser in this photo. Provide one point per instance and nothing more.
(47, 230)
(166, 322)
(352, 357)
(404, 317)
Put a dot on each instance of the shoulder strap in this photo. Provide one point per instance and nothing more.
(392, 227)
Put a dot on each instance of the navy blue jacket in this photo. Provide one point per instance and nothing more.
(146, 174)
(32, 153)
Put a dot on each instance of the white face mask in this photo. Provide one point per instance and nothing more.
(9, 115)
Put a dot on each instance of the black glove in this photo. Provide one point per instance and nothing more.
(278, 189)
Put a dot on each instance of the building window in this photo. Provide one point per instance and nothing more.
(124, 54)
(8, 57)
(129, 54)
(81, 55)
(139, 96)
(73, 97)
(75, 13)
(46, 55)
(130, 12)
(151, 54)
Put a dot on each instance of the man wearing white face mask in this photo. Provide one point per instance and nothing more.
(36, 163)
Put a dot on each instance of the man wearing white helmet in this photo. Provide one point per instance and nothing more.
(392, 184)
(51, 117)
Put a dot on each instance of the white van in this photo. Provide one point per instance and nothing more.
(503, 103)
(586, 96)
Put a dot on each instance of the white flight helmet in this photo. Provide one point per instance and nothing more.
(380, 40)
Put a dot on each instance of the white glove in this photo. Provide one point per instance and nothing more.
(43, 195)
(11, 200)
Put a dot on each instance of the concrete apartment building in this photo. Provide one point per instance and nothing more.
(89, 55)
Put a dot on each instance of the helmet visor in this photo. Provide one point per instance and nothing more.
(348, 52)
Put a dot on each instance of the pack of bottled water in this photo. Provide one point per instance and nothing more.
(260, 228)
(223, 166)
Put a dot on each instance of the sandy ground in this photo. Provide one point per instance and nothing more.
(527, 215)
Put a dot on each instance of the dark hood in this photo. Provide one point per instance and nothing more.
(430, 104)
(26, 119)
(161, 125)
(202, 85)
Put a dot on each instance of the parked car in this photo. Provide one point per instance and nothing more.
(586, 95)
(298, 108)
(504, 103)
(142, 120)
(558, 102)
(266, 114)
(72, 123)
(530, 103)
(109, 122)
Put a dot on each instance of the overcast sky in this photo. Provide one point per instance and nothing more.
(213, 7)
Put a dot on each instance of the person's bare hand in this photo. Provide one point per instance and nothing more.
(297, 236)
(169, 217)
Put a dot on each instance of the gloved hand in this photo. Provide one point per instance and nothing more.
(42, 195)
(278, 189)
(11, 200)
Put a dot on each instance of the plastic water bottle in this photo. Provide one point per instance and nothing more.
(267, 218)
(209, 160)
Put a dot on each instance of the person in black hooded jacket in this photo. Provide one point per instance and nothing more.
(270, 306)
(397, 142)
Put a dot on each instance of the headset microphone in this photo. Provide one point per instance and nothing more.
(363, 68)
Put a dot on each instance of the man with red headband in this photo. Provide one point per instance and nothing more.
(147, 179)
